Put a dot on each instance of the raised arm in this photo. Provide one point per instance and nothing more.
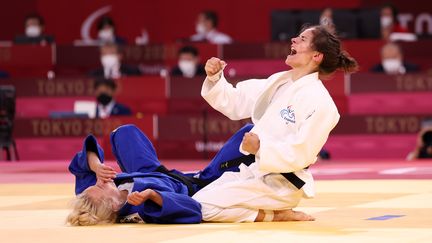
(87, 165)
(234, 102)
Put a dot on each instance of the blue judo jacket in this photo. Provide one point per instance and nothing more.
(138, 161)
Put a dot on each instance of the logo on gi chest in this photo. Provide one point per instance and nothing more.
(288, 115)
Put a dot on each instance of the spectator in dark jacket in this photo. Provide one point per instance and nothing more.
(112, 67)
(34, 26)
(188, 63)
(106, 105)
(107, 32)
(392, 61)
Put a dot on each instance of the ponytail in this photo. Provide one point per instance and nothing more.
(334, 58)
(347, 63)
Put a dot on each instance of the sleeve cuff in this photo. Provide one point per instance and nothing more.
(215, 77)
(91, 145)
(210, 87)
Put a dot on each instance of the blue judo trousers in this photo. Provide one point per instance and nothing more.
(138, 161)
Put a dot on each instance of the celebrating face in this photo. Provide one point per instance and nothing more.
(301, 53)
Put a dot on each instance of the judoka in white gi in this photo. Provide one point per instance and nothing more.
(293, 115)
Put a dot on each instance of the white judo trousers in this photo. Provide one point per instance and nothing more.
(292, 120)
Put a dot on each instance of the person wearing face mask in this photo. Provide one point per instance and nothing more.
(206, 29)
(112, 67)
(106, 105)
(34, 31)
(107, 33)
(392, 61)
(188, 63)
(391, 29)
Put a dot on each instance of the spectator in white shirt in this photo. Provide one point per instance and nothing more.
(206, 28)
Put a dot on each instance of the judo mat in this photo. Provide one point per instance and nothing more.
(361, 201)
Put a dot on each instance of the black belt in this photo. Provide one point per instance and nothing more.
(249, 159)
(188, 181)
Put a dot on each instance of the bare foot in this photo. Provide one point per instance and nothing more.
(291, 215)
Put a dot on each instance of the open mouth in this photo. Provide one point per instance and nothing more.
(293, 52)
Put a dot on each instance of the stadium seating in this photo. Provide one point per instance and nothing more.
(350, 23)
(172, 107)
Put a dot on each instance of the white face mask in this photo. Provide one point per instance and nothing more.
(386, 21)
(106, 35)
(392, 66)
(109, 61)
(200, 28)
(188, 68)
(33, 31)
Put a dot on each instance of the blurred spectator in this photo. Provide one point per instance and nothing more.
(390, 27)
(106, 105)
(206, 28)
(107, 32)
(34, 31)
(4, 74)
(188, 63)
(112, 67)
(326, 19)
(392, 61)
(423, 148)
(143, 39)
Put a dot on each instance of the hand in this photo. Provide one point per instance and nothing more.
(213, 66)
(105, 173)
(137, 198)
(251, 143)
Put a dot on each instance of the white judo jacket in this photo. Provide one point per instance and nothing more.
(292, 127)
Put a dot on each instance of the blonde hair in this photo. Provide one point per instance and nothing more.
(88, 211)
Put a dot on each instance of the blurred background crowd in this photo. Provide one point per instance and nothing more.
(69, 68)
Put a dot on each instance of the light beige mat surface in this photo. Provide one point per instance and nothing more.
(346, 211)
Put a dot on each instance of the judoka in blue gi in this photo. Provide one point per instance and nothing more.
(145, 191)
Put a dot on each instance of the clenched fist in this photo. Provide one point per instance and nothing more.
(214, 65)
(250, 143)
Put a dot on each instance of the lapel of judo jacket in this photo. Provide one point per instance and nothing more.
(263, 101)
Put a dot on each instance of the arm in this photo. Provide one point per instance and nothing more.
(86, 164)
(234, 102)
(103, 172)
(167, 207)
(300, 150)
(137, 198)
